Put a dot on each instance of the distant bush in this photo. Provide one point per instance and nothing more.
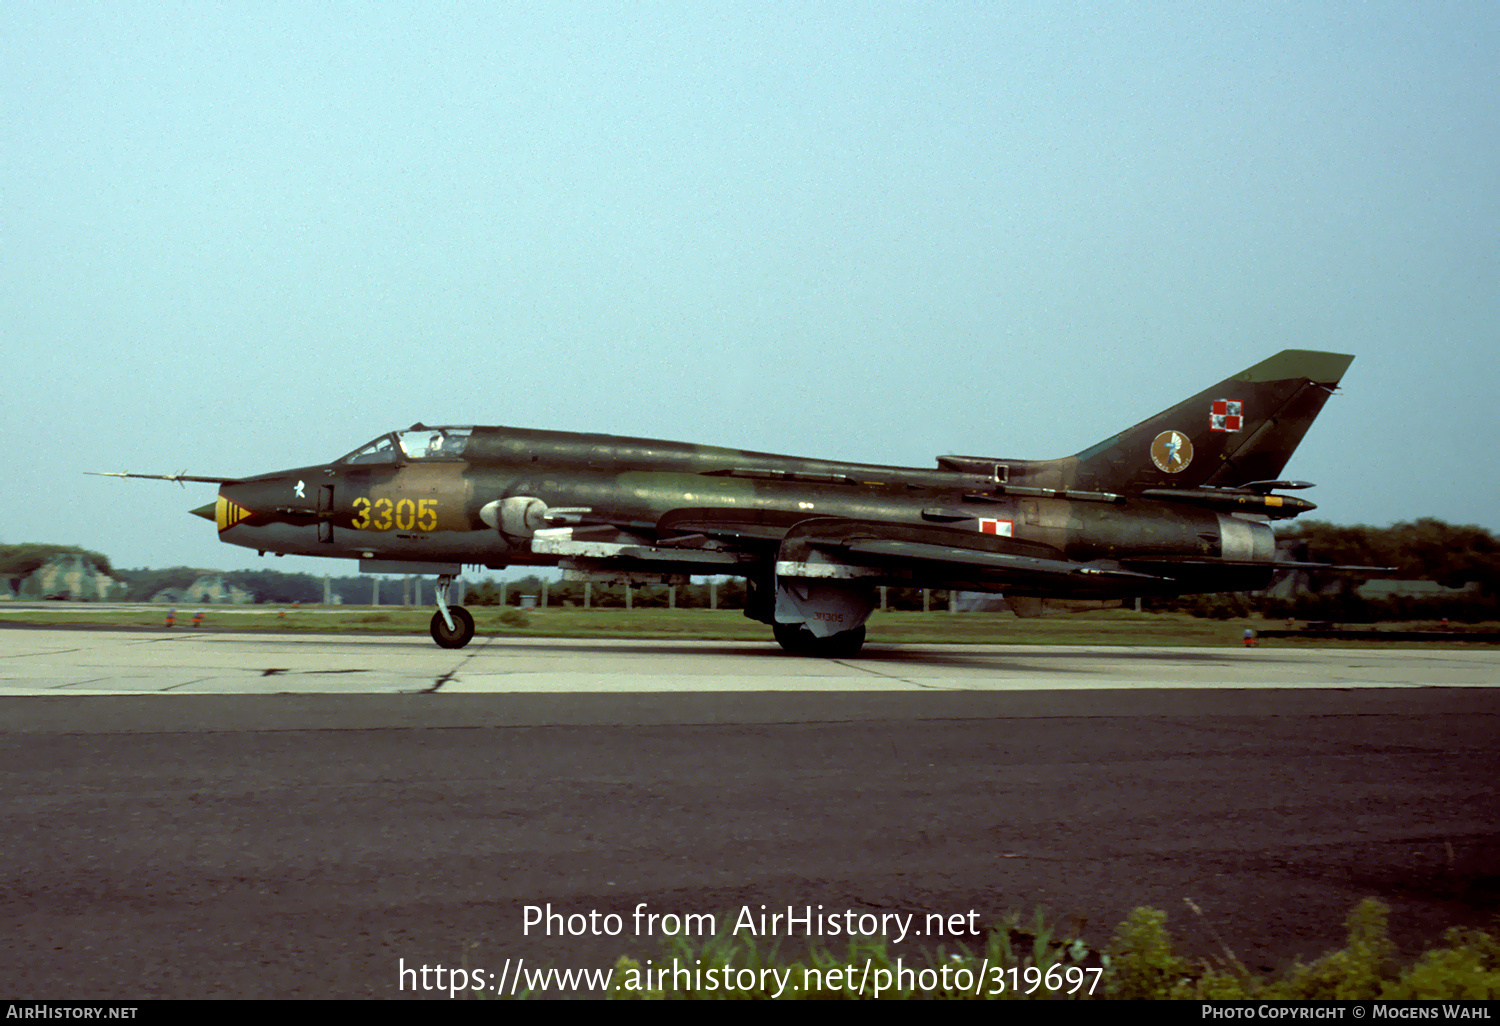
(511, 617)
(485, 593)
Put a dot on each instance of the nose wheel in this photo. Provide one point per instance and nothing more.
(457, 636)
(452, 626)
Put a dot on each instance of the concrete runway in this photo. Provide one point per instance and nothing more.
(99, 662)
(298, 816)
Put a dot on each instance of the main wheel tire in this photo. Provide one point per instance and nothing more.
(798, 640)
(793, 637)
(843, 645)
(462, 632)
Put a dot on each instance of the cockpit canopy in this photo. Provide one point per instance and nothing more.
(415, 443)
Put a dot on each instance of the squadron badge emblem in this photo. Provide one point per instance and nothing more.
(1171, 451)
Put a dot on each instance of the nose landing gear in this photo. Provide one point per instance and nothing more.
(452, 626)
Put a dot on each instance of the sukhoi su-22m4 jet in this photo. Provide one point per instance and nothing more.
(1178, 503)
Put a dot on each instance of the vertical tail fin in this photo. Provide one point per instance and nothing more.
(1243, 429)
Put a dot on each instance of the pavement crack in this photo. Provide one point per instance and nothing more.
(438, 682)
(891, 676)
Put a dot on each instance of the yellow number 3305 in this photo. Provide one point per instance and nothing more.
(401, 514)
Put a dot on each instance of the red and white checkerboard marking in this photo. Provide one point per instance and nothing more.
(1226, 415)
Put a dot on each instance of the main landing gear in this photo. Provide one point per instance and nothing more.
(798, 640)
(452, 626)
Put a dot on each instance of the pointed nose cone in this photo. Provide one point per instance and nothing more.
(206, 511)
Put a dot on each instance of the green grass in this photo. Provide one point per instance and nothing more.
(1101, 627)
(1144, 964)
(1035, 962)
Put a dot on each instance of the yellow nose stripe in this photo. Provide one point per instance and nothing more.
(227, 513)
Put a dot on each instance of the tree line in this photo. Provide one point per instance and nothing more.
(1462, 557)
(18, 561)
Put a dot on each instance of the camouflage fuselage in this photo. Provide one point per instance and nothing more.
(433, 508)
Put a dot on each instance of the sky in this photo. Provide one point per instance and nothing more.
(242, 237)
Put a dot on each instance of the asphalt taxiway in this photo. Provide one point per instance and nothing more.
(237, 815)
